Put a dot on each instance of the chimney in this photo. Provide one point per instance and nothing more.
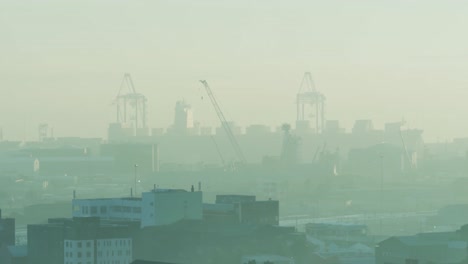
(192, 189)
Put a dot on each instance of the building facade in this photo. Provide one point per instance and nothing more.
(86, 240)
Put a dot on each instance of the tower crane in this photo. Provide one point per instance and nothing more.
(224, 123)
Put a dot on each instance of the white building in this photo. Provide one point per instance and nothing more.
(157, 207)
(127, 209)
(167, 206)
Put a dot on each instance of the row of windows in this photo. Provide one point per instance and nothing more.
(78, 254)
(114, 262)
(78, 244)
(111, 253)
(101, 262)
(93, 210)
(121, 242)
(126, 209)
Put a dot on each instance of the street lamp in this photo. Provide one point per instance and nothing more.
(381, 188)
(135, 174)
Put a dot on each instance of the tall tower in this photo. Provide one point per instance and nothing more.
(43, 131)
(309, 97)
(183, 118)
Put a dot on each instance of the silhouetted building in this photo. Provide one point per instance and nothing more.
(81, 240)
(9, 253)
(441, 248)
(200, 242)
(337, 231)
(363, 126)
(183, 119)
(14, 254)
(242, 209)
(7, 231)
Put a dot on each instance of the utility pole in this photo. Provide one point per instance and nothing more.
(381, 190)
(135, 183)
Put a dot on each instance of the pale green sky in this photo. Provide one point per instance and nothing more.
(62, 61)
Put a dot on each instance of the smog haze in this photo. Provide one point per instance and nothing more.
(62, 62)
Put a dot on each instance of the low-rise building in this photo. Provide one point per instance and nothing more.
(81, 240)
(443, 248)
(154, 208)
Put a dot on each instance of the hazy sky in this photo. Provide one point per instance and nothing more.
(62, 61)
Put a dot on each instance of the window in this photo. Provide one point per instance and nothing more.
(79, 254)
(93, 210)
(88, 254)
(137, 210)
(79, 244)
(103, 209)
(88, 244)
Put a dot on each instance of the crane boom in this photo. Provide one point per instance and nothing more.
(224, 123)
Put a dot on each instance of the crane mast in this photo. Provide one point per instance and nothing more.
(224, 123)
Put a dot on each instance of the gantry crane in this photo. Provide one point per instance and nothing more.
(225, 124)
(131, 99)
(309, 96)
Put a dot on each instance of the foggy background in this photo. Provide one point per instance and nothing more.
(61, 62)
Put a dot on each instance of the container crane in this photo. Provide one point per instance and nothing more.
(130, 101)
(224, 123)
